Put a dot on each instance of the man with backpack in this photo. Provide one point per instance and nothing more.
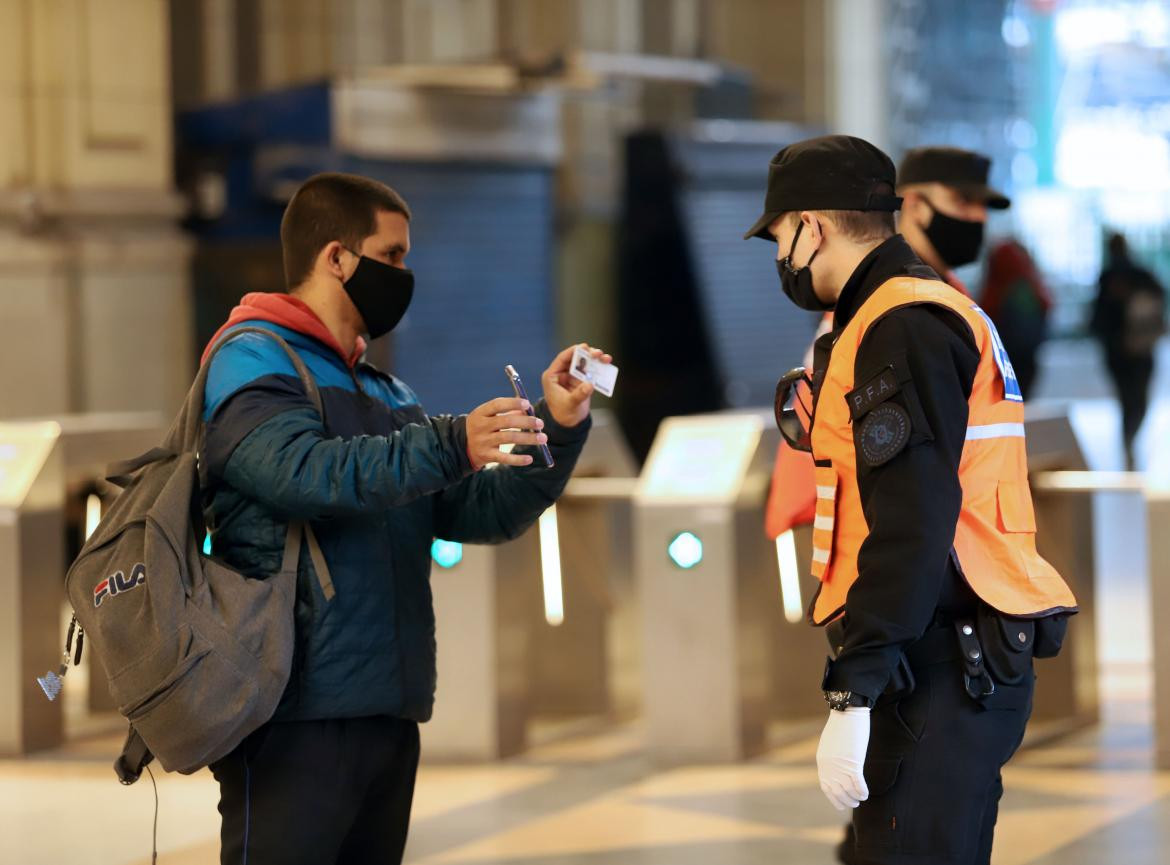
(331, 777)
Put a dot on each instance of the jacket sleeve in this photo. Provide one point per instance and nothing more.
(500, 503)
(912, 502)
(265, 439)
(287, 464)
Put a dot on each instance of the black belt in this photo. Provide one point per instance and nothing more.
(936, 646)
(954, 642)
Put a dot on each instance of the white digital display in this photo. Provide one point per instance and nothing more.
(700, 459)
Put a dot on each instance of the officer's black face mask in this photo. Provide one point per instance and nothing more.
(797, 281)
(380, 292)
(957, 241)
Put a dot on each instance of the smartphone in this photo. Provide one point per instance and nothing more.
(521, 393)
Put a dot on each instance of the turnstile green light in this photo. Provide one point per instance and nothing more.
(447, 554)
(686, 550)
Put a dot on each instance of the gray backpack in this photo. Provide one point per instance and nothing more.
(198, 655)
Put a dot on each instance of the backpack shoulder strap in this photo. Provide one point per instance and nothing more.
(298, 528)
(307, 380)
(133, 759)
(185, 433)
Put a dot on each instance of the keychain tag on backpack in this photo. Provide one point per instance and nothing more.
(52, 683)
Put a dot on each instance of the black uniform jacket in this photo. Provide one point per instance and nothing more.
(907, 574)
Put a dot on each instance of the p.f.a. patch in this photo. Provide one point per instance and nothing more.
(116, 584)
(883, 427)
(872, 393)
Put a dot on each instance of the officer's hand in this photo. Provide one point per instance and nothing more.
(568, 398)
(841, 757)
(502, 421)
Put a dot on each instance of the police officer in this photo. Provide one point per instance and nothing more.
(945, 202)
(924, 541)
(946, 198)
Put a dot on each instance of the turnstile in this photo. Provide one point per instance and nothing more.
(584, 657)
(481, 704)
(524, 628)
(1066, 686)
(32, 494)
(51, 492)
(1158, 531)
(721, 659)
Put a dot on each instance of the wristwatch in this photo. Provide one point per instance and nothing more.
(842, 700)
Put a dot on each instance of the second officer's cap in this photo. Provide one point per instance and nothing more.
(964, 170)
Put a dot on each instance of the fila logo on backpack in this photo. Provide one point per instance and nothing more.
(119, 583)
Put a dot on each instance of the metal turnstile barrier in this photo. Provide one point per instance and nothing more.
(540, 625)
(584, 657)
(32, 528)
(1158, 529)
(51, 492)
(1062, 494)
(721, 658)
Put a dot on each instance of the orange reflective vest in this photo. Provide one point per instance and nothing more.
(995, 538)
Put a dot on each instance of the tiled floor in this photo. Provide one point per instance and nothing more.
(593, 799)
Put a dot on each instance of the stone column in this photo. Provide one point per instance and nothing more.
(94, 276)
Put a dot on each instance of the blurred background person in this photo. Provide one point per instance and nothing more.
(1129, 317)
(1018, 301)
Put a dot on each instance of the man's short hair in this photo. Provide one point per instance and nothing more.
(860, 226)
(327, 207)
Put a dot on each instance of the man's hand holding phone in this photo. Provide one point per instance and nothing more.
(500, 422)
(508, 421)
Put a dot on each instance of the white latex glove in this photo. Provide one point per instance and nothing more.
(841, 757)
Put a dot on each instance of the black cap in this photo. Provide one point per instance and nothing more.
(964, 170)
(834, 172)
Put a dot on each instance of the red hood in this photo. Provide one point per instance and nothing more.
(287, 311)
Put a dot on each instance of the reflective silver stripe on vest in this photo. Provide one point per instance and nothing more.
(995, 431)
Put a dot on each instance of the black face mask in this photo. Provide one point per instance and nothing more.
(380, 292)
(957, 241)
(797, 281)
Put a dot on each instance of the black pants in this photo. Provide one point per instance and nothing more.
(933, 771)
(334, 792)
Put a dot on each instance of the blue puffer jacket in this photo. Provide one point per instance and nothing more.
(379, 480)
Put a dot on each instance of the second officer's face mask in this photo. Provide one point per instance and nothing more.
(957, 241)
(381, 293)
(797, 281)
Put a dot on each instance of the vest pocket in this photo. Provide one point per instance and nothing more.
(825, 521)
(1015, 507)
